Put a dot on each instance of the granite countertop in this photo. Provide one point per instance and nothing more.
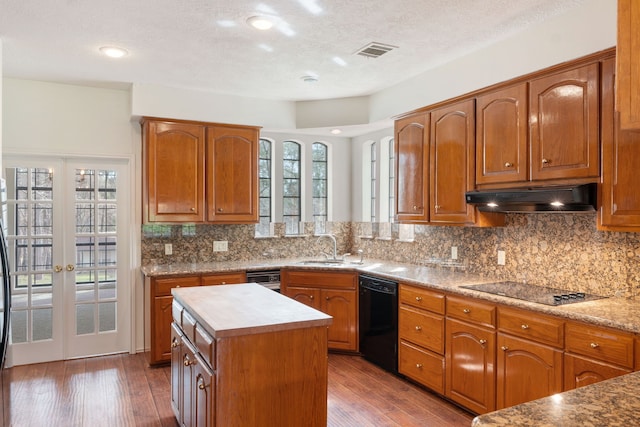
(244, 309)
(613, 402)
(615, 312)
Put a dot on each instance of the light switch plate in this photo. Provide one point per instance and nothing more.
(220, 246)
(168, 249)
(454, 252)
(501, 258)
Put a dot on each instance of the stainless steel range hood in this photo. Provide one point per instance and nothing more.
(577, 198)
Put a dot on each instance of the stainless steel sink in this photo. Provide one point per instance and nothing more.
(322, 262)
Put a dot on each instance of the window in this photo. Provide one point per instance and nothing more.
(373, 182)
(291, 186)
(320, 186)
(263, 228)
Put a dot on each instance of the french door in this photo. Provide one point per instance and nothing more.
(66, 222)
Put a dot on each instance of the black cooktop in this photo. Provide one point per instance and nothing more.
(533, 293)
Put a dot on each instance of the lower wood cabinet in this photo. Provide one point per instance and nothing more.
(158, 317)
(333, 293)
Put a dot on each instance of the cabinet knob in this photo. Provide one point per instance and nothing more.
(201, 385)
(508, 165)
(466, 311)
(483, 342)
(193, 209)
(436, 207)
(418, 299)
(418, 328)
(326, 298)
(310, 296)
(546, 161)
(187, 361)
(524, 326)
(174, 343)
(419, 365)
(223, 283)
(504, 348)
(594, 345)
(219, 209)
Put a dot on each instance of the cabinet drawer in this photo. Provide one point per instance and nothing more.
(224, 279)
(188, 326)
(176, 312)
(325, 279)
(422, 298)
(533, 326)
(422, 366)
(471, 311)
(600, 343)
(424, 329)
(162, 287)
(206, 345)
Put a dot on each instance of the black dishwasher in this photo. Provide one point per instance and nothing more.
(379, 321)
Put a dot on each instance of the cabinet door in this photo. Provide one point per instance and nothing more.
(187, 375)
(501, 137)
(161, 338)
(580, 371)
(232, 174)
(620, 207)
(342, 306)
(628, 64)
(174, 172)
(526, 371)
(470, 366)
(564, 124)
(176, 362)
(307, 296)
(203, 396)
(452, 163)
(412, 168)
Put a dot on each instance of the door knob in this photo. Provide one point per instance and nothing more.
(71, 267)
(57, 268)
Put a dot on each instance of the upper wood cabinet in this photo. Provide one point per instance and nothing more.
(232, 174)
(173, 176)
(412, 168)
(620, 204)
(501, 136)
(181, 159)
(628, 64)
(564, 124)
(452, 163)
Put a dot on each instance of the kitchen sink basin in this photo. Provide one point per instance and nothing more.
(322, 262)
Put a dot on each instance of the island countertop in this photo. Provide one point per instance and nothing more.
(614, 402)
(244, 309)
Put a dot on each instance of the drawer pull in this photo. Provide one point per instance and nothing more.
(187, 362)
(504, 348)
(483, 342)
(524, 326)
(466, 311)
(419, 365)
(418, 299)
(594, 345)
(418, 328)
(201, 384)
(174, 343)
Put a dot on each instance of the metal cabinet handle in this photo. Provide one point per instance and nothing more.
(310, 296)
(508, 165)
(418, 299)
(186, 360)
(193, 209)
(201, 385)
(483, 342)
(174, 343)
(594, 345)
(418, 328)
(524, 326)
(546, 161)
(219, 209)
(419, 365)
(466, 311)
(504, 348)
(326, 298)
(436, 207)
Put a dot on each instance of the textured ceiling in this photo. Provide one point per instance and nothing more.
(207, 45)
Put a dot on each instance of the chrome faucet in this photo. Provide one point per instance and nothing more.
(335, 245)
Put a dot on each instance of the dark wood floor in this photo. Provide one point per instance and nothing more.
(122, 391)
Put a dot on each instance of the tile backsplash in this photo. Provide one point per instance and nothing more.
(560, 250)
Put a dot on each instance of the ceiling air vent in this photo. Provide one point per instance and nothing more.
(374, 50)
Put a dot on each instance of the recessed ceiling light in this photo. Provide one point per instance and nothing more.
(336, 131)
(260, 22)
(113, 51)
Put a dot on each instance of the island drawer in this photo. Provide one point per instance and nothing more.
(188, 325)
(600, 343)
(422, 298)
(206, 346)
(471, 311)
(421, 365)
(424, 329)
(533, 326)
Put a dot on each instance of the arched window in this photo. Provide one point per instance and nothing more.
(320, 172)
(265, 171)
(291, 187)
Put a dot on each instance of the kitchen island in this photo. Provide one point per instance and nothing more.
(614, 402)
(245, 355)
